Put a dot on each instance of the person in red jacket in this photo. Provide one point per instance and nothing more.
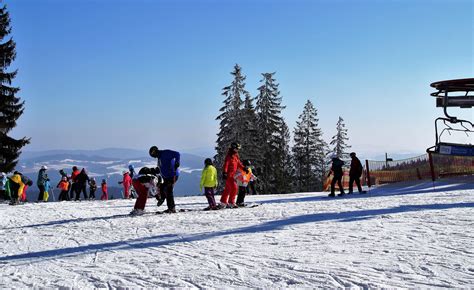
(105, 195)
(355, 173)
(127, 183)
(231, 164)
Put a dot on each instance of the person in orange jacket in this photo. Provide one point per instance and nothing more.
(243, 177)
(63, 185)
(231, 164)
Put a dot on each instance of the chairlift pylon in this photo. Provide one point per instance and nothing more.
(453, 93)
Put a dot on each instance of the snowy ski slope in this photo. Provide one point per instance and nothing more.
(399, 235)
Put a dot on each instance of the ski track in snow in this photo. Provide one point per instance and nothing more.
(399, 235)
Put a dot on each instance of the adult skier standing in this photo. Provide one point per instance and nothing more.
(41, 182)
(168, 163)
(231, 164)
(337, 172)
(355, 173)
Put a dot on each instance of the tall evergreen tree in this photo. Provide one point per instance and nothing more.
(11, 107)
(339, 141)
(250, 141)
(271, 130)
(309, 151)
(231, 121)
(283, 172)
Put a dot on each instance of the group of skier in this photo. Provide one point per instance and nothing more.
(355, 173)
(160, 180)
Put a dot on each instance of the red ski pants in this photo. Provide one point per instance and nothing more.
(230, 191)
(142, 195)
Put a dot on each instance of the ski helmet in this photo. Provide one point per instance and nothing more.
(130, 167)
(235, 145)
(154, 152)
(247, 163)
(208, 161)
(352, 154)
(44, 167)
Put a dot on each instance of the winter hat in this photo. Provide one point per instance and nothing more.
(103, 181)
(154, 152)
(352, 154)
(208, 161)
(44, 167)
(74, 168)
(235, 145)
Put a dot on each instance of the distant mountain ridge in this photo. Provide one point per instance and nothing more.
(106, 164)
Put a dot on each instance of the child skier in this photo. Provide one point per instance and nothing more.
(105, 195)
(147, 180)
(243, 177)
(92, 188)
(209, 182)
(63, 185)
(47, 188)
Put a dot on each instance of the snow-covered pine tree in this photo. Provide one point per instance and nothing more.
(309, 151)
(11, 107)
(231, 121)
(270, 128)
(250, 141)
(283, 173)
(339, 141)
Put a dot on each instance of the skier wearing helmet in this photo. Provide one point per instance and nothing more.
(126, 183)
(168, 163)
(41, 182)
(231, 164)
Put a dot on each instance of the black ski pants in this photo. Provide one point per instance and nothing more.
(338, 179)
(241, 195)
(79, 188)
(357, 181)
(42, 189)
(166, 191)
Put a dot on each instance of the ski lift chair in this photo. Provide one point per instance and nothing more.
(453, 93)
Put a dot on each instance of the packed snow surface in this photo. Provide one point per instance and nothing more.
(399, 235)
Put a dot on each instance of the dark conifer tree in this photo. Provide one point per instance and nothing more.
(250, 141)
(11, 107)
(309, 151)
(231, 126)
(271, 130)
(339, 141)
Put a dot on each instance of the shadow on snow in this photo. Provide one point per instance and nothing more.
(170, 239)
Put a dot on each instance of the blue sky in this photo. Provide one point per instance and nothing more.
(98, 74)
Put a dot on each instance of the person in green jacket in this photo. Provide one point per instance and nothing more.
(209, 182)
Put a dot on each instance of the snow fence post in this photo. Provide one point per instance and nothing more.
(368, 172)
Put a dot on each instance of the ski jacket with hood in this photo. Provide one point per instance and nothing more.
(42, 177)
(208, 177)
(243, 177)
(356, 168)
(231, 164)
(167, 162)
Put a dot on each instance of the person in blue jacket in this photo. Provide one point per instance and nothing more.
(168, 162)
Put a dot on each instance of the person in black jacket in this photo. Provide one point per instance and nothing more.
(336, 170)
(355, 173)
(81, 184)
